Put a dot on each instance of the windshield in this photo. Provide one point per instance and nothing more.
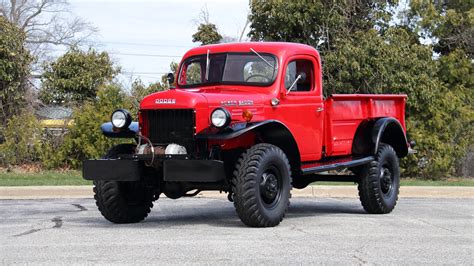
(228, 68)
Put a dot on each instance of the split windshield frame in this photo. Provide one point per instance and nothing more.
(205, 56)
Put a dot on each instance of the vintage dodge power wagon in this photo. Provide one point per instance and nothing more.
(251, 120)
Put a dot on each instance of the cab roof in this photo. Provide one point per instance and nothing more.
(280, 49)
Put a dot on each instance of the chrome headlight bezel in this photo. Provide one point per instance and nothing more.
(220, 118)
(121, 119)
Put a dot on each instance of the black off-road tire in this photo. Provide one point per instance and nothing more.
(358, 170)
(123, 202)
(377, 194)
(255, 200)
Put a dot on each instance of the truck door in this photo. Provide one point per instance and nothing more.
(302, 108)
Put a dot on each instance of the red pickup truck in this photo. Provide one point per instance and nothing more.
(250, 119)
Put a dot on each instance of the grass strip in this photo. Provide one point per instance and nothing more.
(74, 178)
(45, 178)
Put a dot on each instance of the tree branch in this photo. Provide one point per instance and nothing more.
(12, 8)
(3, 10)
(35, 14)
(46, 23)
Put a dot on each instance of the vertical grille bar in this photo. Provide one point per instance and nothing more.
(172, 126)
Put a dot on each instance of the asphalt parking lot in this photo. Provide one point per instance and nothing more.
(207, 230)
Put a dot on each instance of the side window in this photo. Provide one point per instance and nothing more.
(290, 74)
(193, 73)
(296, 68)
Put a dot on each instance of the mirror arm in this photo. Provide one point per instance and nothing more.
(293, 84)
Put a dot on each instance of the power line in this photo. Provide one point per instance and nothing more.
(134, 54)
(150, 77)
(145, 73)
(148, 44)
(150, 55)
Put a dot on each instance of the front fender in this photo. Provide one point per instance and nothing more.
(111, 132)
(269, 131)
(233, 132)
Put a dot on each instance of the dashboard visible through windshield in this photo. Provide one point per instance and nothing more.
(228, 68)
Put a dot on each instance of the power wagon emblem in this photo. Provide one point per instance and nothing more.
(165, 101)
(234, 102)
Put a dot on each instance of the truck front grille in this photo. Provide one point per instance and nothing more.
(172, 126)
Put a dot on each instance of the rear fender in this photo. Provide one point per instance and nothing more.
(388, 130)
(371, 133)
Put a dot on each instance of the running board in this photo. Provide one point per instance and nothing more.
(332, 178)
(335, 164)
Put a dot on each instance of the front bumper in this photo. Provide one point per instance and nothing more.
(193, 170)
(174, 170)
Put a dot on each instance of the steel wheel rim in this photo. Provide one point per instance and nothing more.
(270, 187)
(386, 180)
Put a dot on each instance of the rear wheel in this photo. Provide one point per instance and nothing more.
(261, 186)
(123, 202)
(379, 182)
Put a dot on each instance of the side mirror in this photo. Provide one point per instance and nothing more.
(303, 76)
(170, 79)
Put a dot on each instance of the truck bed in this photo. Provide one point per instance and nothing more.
(345, 112)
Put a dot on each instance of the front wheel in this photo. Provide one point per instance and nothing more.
(261, 186)
(379, 182)
(123, 202)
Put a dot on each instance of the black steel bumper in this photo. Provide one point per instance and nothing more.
(112, 170)
(176, 170)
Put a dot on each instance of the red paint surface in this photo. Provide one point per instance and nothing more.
(333, 127)
(345, 112)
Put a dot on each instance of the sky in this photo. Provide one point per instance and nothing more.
(144, 37)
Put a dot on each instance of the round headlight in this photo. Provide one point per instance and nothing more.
(121, 118)
(220, 118)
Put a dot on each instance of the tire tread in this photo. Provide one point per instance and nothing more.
(370, 194)
(243, 185)
(112, 205)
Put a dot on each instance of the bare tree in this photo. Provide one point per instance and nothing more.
(46, 23)
(207, 32)
(203, 17)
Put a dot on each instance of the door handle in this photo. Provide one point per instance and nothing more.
(320, 109)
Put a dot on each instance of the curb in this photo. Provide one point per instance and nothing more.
(62, 192)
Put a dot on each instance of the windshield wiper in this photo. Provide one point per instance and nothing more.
(207, 65)
(261, 57)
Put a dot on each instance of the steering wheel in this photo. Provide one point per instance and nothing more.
(258, 76)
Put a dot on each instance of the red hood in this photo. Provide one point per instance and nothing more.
(208, 98)
(174, 99)
(205, 100)
(199, 98)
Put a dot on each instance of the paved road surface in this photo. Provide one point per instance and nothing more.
(346, 191)
(204, 230)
